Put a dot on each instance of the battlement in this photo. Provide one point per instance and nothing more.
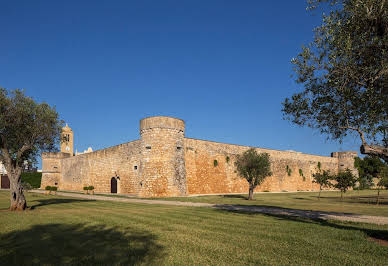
(163, 122)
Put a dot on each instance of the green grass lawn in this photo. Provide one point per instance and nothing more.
(357, 202)
(60, 230)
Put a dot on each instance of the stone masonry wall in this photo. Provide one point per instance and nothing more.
(97, 169)
(163, 164)
(51, 168)
(203, 177)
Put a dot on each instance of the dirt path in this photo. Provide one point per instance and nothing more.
(241, 208)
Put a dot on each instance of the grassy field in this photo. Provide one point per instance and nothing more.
(60, 230)
(357, 202)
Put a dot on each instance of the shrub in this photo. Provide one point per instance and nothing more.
(33, 179)
(54, 188)
(48, 188)
(215, 163)
(301, 174)
(288, 170)
(91, 187)
(86, 188)
(26, 186)
(227, 159)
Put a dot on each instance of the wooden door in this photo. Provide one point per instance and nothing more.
(5, 181)
(113, 185)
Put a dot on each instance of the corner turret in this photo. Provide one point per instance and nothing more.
(346, 160)
(163, 163)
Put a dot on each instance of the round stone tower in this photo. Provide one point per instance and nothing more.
(162, 166)
(346, 160)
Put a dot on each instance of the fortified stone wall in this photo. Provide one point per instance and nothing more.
(97, 169)
(346, 160)
(163, 164)
(51, 168)
(204, 176)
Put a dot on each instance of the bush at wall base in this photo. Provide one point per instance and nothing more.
(50, 189)
(87, 188)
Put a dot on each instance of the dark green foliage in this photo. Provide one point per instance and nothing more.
(51, 188)
(33, 179)
(368, 168)
(288, 170)
(301, 174)
(54, 188)
(90, 187)
(322, 178)
(344, 180)
(319, 166)
(254, 168)
(26, 129)
(383, 177)
(26, 186)
(344, 73)
(227, 159)
(215, 163)
(86, 188)
(48, 188)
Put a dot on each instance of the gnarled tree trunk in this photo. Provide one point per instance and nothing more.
(380, 151)
(250, 195)
(18, 201)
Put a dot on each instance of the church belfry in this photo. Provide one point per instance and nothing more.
(67, 144)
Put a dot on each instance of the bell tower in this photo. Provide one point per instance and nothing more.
(67, 145)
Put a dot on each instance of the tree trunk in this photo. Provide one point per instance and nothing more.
(320, 189)
(380, 151)
(342, 197)
(378, 196)
(18, 201)
(250, 196)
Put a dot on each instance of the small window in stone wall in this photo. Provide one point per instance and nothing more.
(148, 147)
(55, 167)
(56, 183)
(135, 167)
(178, 148)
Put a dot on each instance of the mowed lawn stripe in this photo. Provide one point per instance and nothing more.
(181, 235)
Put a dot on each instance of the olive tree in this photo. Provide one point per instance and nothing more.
(26, 129)
(322, 178)
(344, 75)
(254, 168)
(344, 180)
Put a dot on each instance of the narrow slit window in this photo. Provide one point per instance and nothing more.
(135, 167)
(148, 147)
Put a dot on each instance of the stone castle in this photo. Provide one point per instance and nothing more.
(164, 163)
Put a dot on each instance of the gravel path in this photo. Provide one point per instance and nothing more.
(241, 208)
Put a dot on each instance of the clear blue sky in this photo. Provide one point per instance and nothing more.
(222, 66)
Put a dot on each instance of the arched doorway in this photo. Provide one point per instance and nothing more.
(113, 185)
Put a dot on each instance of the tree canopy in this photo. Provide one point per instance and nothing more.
(344, 73)
(254, 168)
(26, 128)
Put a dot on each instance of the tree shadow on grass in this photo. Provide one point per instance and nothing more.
(44, 202)
(312, 217)
(369, 200)
(235, 196)
(60, 244)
